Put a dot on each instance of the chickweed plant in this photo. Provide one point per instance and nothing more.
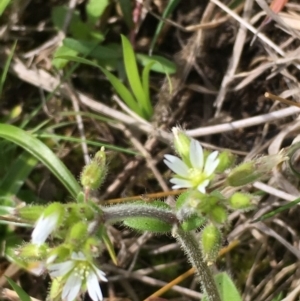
(67, 238)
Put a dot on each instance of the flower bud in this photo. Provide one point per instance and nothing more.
(32, 251)
(240, 200)
(242, 175)
(182, 144)
(29, 213)
(78, 234)
(226, 161)
(210, 242)
(94, 173)
(218, 214)
(254, 170)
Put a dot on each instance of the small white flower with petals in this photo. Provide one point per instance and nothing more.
(78, 273)
(196, 173)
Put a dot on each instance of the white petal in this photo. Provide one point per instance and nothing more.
(61, 269)
(196, 154)
(72, 287)
(176, 165)
(201, 187)
(93, 287)
(43, 228)
(100, 274)
(211, 163)
(180, 183)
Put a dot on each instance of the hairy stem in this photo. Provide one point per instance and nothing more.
(193, 251)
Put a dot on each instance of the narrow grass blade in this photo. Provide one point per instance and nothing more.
(145, 82)
(6, 67)
(168, 10)
(276, 211)
(122, 91)
(133, 74)
(20, 292)
(41, 152)
(126, 8)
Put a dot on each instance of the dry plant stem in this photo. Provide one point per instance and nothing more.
(44, 80)
(192, 250)
(235, 58)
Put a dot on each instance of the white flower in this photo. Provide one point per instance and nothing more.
(78, 272)
(196, 173)
(44, 227)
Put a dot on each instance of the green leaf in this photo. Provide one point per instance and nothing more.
(95, 9)
(226, 288)
(151, 224)
(92, 49)
(41, 152)
(126, 8)
(162, 65)
(168, 10)
(21, 293)
(133, 75)
(123, 92)
(17, 174)
(3, 5)
(147, 224)
(6, 66)
(77, 28)
(145, 82)
(61, 51)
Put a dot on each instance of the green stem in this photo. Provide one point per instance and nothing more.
(193, 251)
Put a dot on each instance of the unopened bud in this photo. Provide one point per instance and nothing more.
(218, 214)
(254, 170)
(32, 251)
(94, 173)
(182, 144)
(210, 242)
(240, 200)
(29, 213)
(226, 159)
(78, 234)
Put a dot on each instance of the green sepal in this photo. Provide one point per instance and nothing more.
(191, 198)
(80, 197)
(78, 234)
(218, 214)
(32, 252)
(29, 213)
(193, 222)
